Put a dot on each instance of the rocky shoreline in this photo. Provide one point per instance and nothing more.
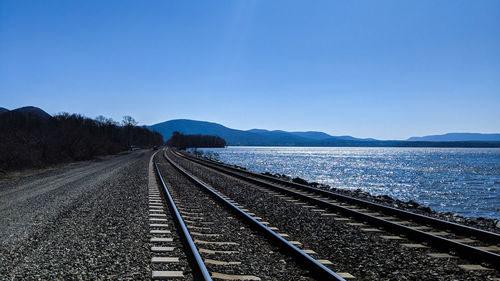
(492, 225)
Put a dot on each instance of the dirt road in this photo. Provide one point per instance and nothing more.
(86, 220)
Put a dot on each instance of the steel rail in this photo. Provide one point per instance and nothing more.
(315, 268)
(467, 251)
(200, 270)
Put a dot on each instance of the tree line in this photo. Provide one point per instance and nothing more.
(29, 140)
(181, 141)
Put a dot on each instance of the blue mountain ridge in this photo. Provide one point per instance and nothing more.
(28, 110)
(458, 137)
(261, 137)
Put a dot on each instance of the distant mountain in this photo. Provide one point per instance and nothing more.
(349, 138)
(281, 137)
(27, 111)
(240, 137)
(260, 137)
(458, 137)
(33, 111)
(232, 136)
(308, 135)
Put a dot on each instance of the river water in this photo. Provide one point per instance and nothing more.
(465, 181)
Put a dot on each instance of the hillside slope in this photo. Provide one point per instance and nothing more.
(458, 137)
(260, 137)
(232, 136)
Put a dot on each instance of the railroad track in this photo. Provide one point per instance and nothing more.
(220, 236)
(473, 244)
(170, 256)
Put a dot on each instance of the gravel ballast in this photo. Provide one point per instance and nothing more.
(86, 221)
(363, 254)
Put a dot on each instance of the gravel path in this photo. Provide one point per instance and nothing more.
(257, 256)
(86, 221)
(363, 254)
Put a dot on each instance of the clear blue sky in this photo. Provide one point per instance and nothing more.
(383, 69)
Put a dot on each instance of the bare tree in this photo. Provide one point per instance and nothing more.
(101, 120)
(129, 121)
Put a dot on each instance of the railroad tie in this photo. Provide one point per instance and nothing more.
(371, 229)
(346, 275)
(158, 225)
(216, 252)
(160, 249)
(329, 214)
(190, 226)
(157, 215)
(382, 217)
(216, 262)
(164, 275)
(308, 206)
(161, 239)
(473, 267)
(159, 231)
(440, 233)
(309, 252)
(416, 245)
(403, 222)
(391, 237)
(421, 227)
(492, 248)
(197, 241)
(222, 276)
(465, 240)
(158, 219)
(193, 233)
(325, 262)
(164, 259)
(341, 219)
(356, 223)
(441, 256)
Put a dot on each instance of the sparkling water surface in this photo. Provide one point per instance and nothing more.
(465, 181)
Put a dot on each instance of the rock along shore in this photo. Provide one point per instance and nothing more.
(492, 225)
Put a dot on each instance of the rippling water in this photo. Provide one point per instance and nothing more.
(460, 180)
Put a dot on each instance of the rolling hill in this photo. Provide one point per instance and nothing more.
(232, 136)
(260, 137)
(458, 137)
(27, 111)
